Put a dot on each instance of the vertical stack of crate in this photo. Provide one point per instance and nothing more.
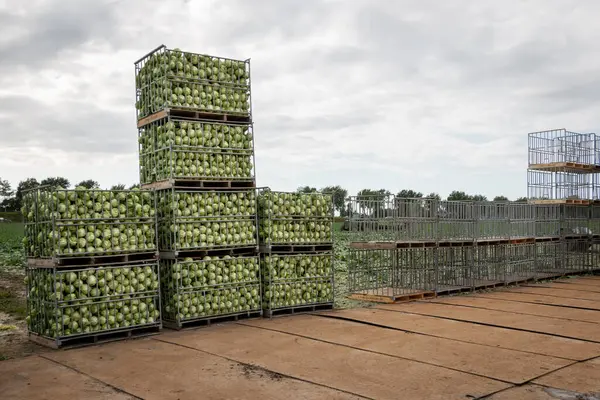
(197, 151)
(92, 269)
(296, 249)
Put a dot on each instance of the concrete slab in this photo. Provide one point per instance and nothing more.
(523, 308)
(536, 392)
(365, 373)
(151, 369)
(553, 326)
(35, 378)
(507, 365)
(539, 299)
(571, 294)
(582, 377)
(468, 332)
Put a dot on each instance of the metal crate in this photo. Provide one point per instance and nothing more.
(297, 280)
(68, 223)
(520, 262)
(287, 218)
(190, 219)
(168, 78)
(522, 220)
(195, 289)
(75, 302)
(456, 220)
(184, 149)
(561, 146)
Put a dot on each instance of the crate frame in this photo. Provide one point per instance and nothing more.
(154, 83)
(268, 281)
(180, 290)
(152, 155)
(166, 220)
(266, 215)
(54, 305)
(50, 224)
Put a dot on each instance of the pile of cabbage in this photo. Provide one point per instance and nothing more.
(61, 222)
(295, 218)
(196, 220)
(91, 300)
(182, 149)
(185, 80)
(209, 286)
(297, 280)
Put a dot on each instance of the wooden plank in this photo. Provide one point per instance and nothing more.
(570, 294)
(582, 377)
(376, 376)
(506, 365)
(495, 337)
(537, 324)
(389, 295)
(540, 299)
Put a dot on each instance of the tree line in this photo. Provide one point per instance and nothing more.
(12, 199)
(340, 195)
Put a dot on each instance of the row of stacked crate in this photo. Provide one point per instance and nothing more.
(296, 252)
(92, 271)
(196, 148)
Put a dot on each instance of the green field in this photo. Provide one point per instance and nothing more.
(11, 245)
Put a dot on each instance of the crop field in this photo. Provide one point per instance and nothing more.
(11, 245)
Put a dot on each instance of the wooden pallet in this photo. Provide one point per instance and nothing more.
(189, 113)
(297, 310)
(84, 261)
(95, 338)
(389, 295)
(482, 284)
(560, 201)
(451, 289)
(194, 184)
(207, 321)
(198, 253)
(296, 248)
(564, 167)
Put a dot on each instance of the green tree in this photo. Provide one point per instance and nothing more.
(458, 196)
(433, 195)
(57, 181)
(5, 189)
(306, 189)
(372, 201)
(89, 184)
(500, 198)
(521, 200)
(22, 187)
(409, 194)
(118, 186)
(478, 197)
(134, 186)
(339, 195)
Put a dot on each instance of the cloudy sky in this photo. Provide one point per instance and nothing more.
(422, 94)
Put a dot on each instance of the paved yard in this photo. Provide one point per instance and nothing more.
(535, 342)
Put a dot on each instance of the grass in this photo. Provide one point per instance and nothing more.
(11, 245)
(11, 303)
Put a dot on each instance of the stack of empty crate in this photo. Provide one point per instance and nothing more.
(92, 269)
(196, 150)
(296, 248)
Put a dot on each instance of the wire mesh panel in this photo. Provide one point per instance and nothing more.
(175, 79)
(391, 272)
(297, 280)
(213, 286)
(547, 220)
(377, 217)
(594, 222)
(549, 260)
(204, 220)
(541, 185)
(522, 218)
(520, 262)
(491, 220)
(72, 302)
(569, 185)
(490, 264)
(561, 146)
(82, 222)
(295, 218)
(575, 220)
(415, 219)
(456, 220)
(454, 267)
(577, 254)
(178, 148)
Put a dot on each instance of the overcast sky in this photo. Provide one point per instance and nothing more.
(429, 95)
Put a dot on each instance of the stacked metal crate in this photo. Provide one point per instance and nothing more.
(296, 249)
(196, 150)
(92, 269)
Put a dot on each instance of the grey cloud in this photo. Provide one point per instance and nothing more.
(70, 126)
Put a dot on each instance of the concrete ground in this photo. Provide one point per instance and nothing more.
(532, 342)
